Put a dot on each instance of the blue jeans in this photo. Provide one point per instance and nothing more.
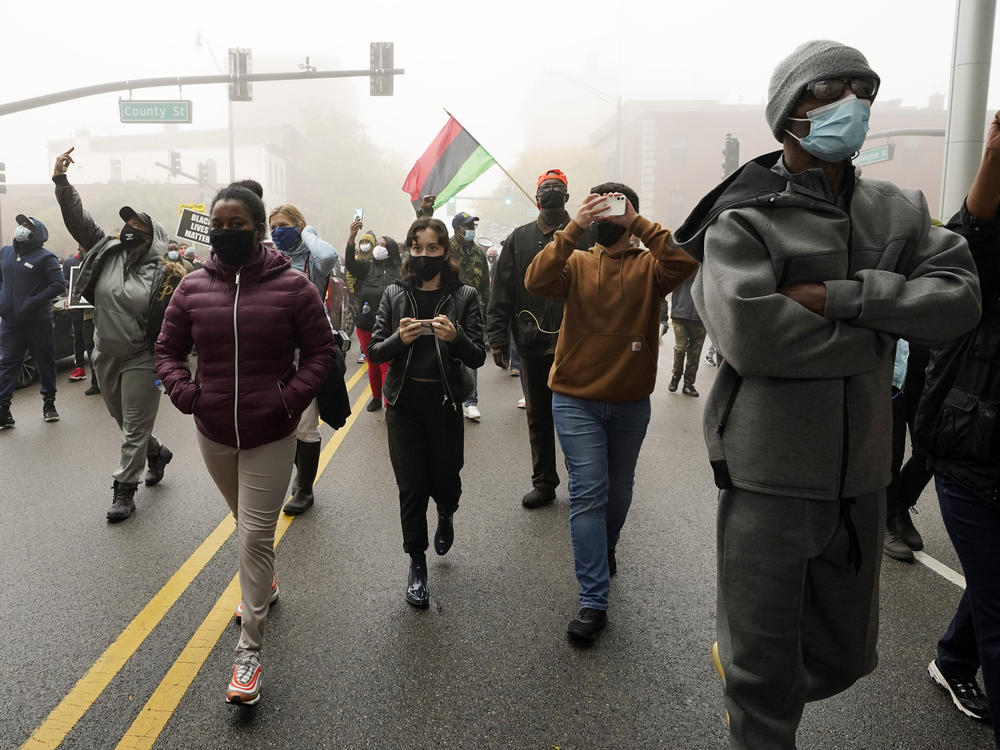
(973, 638)
(473, 399)
(601, 442)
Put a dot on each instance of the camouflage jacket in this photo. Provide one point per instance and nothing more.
(475, 268)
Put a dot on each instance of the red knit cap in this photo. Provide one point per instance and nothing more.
(552, 174)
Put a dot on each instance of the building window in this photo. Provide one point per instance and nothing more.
(678, 148)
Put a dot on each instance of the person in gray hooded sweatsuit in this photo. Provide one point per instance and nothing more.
(810, 273)
(129, 282)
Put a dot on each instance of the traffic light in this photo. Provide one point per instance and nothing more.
(240, 89)
(381, 69)
(202, 172)
(3, 178)
(730, 156)
(175, 163)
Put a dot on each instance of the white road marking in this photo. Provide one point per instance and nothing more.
(941, 569)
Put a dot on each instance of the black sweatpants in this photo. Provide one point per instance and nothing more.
(427, 450)
(541, 431)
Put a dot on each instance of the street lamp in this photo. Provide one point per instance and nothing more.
(615, 101)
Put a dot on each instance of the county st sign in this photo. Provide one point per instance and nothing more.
(154, 110)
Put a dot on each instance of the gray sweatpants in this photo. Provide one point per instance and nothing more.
(796, 623)
(129, 391)
(254, 483)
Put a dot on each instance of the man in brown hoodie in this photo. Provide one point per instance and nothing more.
(603, 373)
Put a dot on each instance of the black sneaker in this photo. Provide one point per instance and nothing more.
(538, 497)
(672, 386)
(94, 390)
(584, 629)
(49, 413)
(6, 418)
(374, 404)
(417, 594)
(965, 694)
(690, 390)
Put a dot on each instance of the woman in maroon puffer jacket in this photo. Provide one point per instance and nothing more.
(247, 312)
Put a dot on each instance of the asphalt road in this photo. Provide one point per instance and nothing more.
(347, 664)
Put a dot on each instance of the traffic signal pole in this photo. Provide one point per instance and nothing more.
(144, 83)
(970, 81)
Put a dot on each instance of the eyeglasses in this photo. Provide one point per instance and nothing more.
(833, 88)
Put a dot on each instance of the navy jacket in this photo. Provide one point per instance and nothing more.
(30, 278)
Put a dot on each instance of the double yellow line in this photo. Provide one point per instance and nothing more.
(161, 705)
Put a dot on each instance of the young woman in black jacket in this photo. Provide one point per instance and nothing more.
(429, 328)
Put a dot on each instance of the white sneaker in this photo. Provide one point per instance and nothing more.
(521, 404)
(471, 412)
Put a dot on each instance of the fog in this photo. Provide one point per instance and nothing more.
(522, 77)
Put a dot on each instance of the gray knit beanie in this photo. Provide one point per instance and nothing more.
(812, 61)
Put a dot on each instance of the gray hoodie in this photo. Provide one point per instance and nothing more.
(801, 406)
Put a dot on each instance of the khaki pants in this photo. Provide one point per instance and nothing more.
(308, 430)
(254, 482)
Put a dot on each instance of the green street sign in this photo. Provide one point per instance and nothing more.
(154, 110)
(873, 155)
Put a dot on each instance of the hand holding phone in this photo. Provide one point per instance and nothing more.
(426, 329)
(359, 214)
(615, 205)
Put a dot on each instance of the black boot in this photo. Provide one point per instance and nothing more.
(586, 626)
(156, 463)
(907, 531)
(444, 537)
(122, 501)
(893, 544)
(306, 464)
(6, 418)
(49, 413)
(672, 386)
(416, 585)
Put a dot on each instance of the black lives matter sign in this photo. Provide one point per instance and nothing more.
(193, 227)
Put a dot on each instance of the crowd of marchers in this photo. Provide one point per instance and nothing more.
(841, 317)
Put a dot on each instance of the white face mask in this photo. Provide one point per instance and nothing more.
(380, 253)
(21, 234)
(365, 247)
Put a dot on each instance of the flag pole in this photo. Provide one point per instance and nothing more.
(502, 169)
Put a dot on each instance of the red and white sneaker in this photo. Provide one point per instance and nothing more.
(78, 373)
(238, 614)
(244, 688)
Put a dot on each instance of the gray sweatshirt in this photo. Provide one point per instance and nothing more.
(801, 406)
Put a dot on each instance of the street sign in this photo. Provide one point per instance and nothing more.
(154, 110)
(873, 155)
(193, 226)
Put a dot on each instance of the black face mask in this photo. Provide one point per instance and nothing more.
(551, 199)
(426, 268)
(131, 238)
(608, 233)
(233, 246)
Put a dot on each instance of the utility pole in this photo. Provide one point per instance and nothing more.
(970, 81)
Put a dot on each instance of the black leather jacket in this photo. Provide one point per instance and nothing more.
(958, 420)
(461, 304)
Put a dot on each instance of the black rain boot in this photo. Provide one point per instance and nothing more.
(444, 537)
(122, 501)
(307, 463)
(156, 463)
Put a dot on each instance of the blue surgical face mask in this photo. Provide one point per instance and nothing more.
(470, 235)
(21, 234)
(173, 255)
(286, 238)
(836, 130)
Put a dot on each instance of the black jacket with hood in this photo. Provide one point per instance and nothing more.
(30, 277)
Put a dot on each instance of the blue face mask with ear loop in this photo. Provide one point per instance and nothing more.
(836, 130)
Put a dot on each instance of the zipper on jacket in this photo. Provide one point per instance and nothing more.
(437, 348)
(236, 362)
